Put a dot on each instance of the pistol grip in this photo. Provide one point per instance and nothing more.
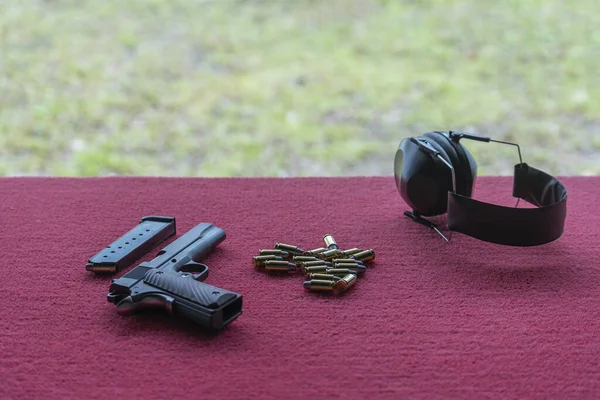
(185, 288)
(180, 294)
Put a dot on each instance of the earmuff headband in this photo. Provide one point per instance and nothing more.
(514, 226)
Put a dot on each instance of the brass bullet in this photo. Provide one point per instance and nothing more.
(302, 259)
(354, 267)
(365, 256)
(359, 269)
(329, 254)
(289, 248)
(341, 272)
(279, 266)
(330, 242)
(316, 263)
(351, 252)
(314, 252)
(101, 268)
(323, 277)
(346, 261)
(319, 285)
(259, 261)
(274, 252)
(315, 270)
(345, 283)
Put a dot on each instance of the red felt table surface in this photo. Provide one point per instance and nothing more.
(429, 319)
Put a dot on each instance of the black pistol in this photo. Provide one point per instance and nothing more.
(173, 281)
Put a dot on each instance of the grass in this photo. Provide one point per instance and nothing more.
(293, 88)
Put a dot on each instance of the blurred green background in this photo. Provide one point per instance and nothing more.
(293, 88)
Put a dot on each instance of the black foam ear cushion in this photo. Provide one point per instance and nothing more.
(468, 167)
(435, 143)
(448, 156)
(452, 156)
(473, 169)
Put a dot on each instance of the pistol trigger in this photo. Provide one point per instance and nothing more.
(130, 305)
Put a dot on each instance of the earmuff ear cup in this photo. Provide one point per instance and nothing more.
(423, 181)
(460, 168)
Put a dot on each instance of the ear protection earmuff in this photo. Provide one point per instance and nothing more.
(436, 175)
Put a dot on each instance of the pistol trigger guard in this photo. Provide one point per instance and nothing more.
(198, 271)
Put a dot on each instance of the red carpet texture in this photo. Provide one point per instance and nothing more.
(429, 319)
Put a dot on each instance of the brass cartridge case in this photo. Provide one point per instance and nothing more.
(341, 272)
(330, 242)
(302, 259)
(259, 261)
(316, 263)
(289, 248)
(364, 256)
(330, 254)
(320, 269)
(279, 266)
(345, 283)
(346, 261)
(319, 285)
(314, 252)
(274, 252)
(351, 252)
(101, 269)
(322, 277)
(359, 269)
